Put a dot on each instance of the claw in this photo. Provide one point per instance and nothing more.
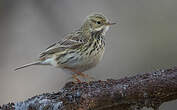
(74, 76)
(77, 73)
(86, 76)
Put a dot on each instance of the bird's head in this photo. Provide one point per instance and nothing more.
(97, 22)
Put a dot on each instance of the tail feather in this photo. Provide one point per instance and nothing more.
(27, 65)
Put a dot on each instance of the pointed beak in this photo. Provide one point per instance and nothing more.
(108, 24)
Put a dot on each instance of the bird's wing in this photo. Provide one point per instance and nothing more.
(72, 40)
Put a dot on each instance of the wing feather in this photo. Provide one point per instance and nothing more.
(72, 40)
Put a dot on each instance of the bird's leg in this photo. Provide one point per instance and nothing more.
(74, 76)
(86, 76)
(80, 74)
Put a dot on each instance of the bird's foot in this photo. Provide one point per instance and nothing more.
(76, 79)
(78, 73)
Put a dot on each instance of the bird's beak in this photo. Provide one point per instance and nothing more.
(108, 24)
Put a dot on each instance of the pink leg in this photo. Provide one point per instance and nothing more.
(77, 73)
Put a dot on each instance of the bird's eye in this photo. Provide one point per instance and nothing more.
(98, 22)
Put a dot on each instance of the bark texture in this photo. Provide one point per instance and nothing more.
(130, 93)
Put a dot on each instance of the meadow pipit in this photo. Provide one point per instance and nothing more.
(79, 50)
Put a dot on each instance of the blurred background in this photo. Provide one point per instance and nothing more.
(144, 40)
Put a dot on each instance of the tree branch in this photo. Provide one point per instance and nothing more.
(129, 93)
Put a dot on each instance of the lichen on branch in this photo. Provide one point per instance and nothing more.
(142, 90)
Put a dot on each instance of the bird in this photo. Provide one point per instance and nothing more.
(79, 50)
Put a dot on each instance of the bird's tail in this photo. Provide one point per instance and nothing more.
(29, 64)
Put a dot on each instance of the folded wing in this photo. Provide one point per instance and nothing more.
(73, 40)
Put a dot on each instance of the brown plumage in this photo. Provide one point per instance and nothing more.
(80, 50)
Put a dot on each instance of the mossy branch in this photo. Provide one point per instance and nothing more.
(129, 93)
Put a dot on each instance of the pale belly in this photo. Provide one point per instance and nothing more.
(82, 63)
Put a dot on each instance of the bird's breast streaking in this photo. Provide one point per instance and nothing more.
(84, 58)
